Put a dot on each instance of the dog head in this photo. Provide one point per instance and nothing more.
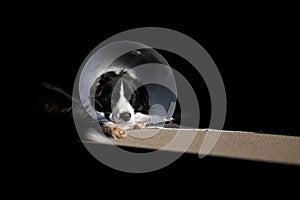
(119, 96)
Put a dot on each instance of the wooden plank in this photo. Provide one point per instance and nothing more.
(231, 144)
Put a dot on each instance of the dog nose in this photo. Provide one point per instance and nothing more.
(125, 116)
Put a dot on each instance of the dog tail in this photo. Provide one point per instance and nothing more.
(54, 99)
(57, 89)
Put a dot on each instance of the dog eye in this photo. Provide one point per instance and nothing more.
(132, 98)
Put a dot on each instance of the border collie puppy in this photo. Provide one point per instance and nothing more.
(120, 99)
(119, 102)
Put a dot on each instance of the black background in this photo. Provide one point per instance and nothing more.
(255, 47)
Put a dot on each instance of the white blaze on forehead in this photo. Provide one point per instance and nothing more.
(121, 106)
(122, 91)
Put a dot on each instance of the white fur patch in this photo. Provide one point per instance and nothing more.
(121, 106)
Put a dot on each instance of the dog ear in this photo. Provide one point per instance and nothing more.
(54, 100)
(95, 89)
(142, 101)
(98, 90)
(107, 76)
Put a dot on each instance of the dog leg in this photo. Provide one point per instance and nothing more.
(114, 131)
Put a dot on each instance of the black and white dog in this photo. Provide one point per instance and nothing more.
(119, 102)
(119, 98)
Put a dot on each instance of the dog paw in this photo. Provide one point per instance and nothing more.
(115, 132)
(139, 126)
